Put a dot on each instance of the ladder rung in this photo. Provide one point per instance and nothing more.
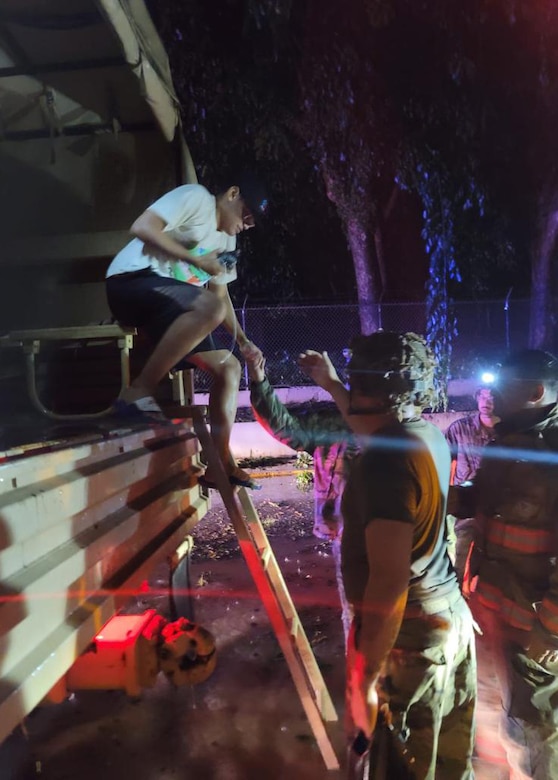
(294, 626)
(265, 555)
(273, 591)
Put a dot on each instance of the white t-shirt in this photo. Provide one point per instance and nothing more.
(190, 212)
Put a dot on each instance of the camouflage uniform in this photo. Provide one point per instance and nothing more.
(328, 440)
(517, 592)
(467, 437)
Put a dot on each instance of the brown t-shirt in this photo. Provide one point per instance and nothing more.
(403, 475)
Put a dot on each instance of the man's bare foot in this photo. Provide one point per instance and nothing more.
(132, 394)
(143, 409)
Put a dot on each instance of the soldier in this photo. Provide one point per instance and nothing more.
(412, 641)
(516, 547)
(324, 434)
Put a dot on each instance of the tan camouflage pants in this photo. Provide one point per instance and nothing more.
(430, 683)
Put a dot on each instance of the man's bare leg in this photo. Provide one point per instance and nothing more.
(182, 336)
(223, 398)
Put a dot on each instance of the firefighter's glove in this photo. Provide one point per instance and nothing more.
(543, 649)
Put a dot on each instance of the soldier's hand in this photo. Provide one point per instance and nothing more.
(361, 691)
(362, 698)
(256, 366)
(318, 367)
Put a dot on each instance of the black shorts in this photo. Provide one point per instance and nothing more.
(151, 303)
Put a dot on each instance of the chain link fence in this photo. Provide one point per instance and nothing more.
(486, 331)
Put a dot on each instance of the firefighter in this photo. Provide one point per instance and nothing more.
(516, 547)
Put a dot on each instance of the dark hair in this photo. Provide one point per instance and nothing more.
(396, 366)
(251, 188)
(480, 388)
(534, 365)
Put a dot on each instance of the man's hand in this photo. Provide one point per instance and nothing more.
(256, 366)
(362, 696)
(250, 352)
(325, 529)
(327, 526)
(210, 264)
(318, 367)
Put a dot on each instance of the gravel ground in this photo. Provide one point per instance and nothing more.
(286, 512)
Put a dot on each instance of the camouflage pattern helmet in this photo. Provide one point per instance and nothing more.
(396, 366)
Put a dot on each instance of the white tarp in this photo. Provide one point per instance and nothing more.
(147, 58)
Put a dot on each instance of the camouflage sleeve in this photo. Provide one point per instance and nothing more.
(298, 433)
(548, 609)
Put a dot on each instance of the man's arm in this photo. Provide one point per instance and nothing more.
(462, 498)
(231, 322)
(150, 228)
(543, 640)
(388, 549)
(319, 368)
(453, 446)
(273, 415)
(305, 433)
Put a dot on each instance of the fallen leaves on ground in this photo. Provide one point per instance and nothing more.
(214, 536)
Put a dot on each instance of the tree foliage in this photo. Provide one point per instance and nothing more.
(238, 93)
(455, 103)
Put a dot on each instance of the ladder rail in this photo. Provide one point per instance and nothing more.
(273, 591)
(289, 610)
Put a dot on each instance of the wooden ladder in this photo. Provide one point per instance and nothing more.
(262, 565)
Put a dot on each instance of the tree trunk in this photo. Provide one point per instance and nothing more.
(542, 320)
(380, 259)
(361, 243)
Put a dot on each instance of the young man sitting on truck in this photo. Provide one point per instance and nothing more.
(169, 283)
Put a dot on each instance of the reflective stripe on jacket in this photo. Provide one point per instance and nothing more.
(518, 510)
